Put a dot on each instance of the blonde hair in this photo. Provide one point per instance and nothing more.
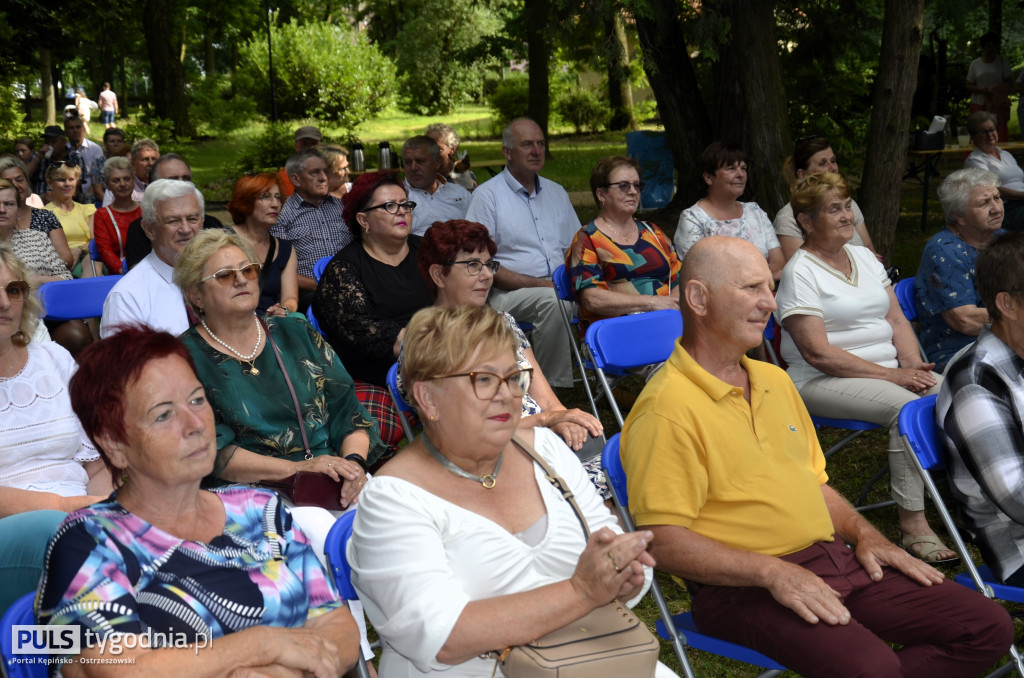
(811, 190)
(54, 172)
(439, 339)
(188, 269)
(31, 309)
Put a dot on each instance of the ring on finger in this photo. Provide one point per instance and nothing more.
(615, 566)
(330, 465)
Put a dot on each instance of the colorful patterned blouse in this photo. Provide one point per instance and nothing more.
(645, 267)
(109, 571)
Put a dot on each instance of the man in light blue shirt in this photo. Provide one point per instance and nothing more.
(532, 221)
(437, 198)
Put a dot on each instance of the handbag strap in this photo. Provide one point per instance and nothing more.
(291, 389)
(117, 229)
(555, 480)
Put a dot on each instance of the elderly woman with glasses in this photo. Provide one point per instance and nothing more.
(371, 289)
(31, 215)
(617, 264)
(988, 156)
(254, 206)
(497, 557)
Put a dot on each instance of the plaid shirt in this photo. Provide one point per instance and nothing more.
(979, 412)
(315, 231)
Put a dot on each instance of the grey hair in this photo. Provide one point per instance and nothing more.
(507, 138)
(9, 161)
(423, 141)
(167, 189)
(446, 134)
(297, 162)
(955, 191)
(141, 144)
(979, 118)
(118, 162)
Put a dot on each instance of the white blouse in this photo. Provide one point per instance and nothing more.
(42, 444)
(418, 560)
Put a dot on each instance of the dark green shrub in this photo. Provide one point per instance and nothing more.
(269, 150)
(321, 71)
(214, 108)
(510, 99)
(583, 109)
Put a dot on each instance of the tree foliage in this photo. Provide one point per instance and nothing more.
(441, 47)
(321, 71)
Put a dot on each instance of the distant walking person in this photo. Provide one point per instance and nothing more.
(108, 106)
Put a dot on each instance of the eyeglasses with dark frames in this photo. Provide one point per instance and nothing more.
(392, 207)
(986, 132)
(475, 266)
(17, 290)
(227, 276)
(487, 384)
(624, 186)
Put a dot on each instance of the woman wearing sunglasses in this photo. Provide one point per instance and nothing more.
(241, 360)
(48, 467)
(371, 289)
(617, 264)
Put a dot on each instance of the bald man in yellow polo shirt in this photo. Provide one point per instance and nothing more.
(725, 468)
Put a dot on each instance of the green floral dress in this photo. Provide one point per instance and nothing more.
(255, 411)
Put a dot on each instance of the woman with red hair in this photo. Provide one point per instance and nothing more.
(254, 206)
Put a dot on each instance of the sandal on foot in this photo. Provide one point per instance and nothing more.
(930, 548)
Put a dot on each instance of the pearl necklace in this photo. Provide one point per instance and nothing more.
(251, 358)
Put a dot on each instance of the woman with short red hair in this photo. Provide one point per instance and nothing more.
(254, 206)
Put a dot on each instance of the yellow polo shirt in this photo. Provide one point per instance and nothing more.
(747, 476)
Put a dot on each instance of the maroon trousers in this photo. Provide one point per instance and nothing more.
(944, 630)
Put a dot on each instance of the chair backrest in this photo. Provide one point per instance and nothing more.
(20, 613)
(611, 462)
(312, 319)
(563, 286)
(906, 295)
(334, 548)
(76, 299)
(396, 395)
(631, 341)
(319, 266)
(917, 423)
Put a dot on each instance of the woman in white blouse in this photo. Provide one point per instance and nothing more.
(851, 352)
(46, 462)
(724, 171)
(460, 546)
(988, 156)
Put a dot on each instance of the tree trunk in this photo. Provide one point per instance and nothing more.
(674, 82)
(164, 41)
(620, 94)
(750, 103)
(46, 83)
(538, 54)
(888, 132)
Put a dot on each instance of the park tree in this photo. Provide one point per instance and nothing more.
(890, 119)
(163, 25)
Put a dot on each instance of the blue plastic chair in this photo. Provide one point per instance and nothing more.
(319, 266)
(94, 256)
(312, 319)
(907, 296)
(918, 428)
(628, 342)
(334, 548)
(857, 428)
(669, 626)
(20, 613)
(563, 289)
(75, 299)
(403, 407)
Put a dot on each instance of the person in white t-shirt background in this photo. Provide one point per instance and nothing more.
(989, 80)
